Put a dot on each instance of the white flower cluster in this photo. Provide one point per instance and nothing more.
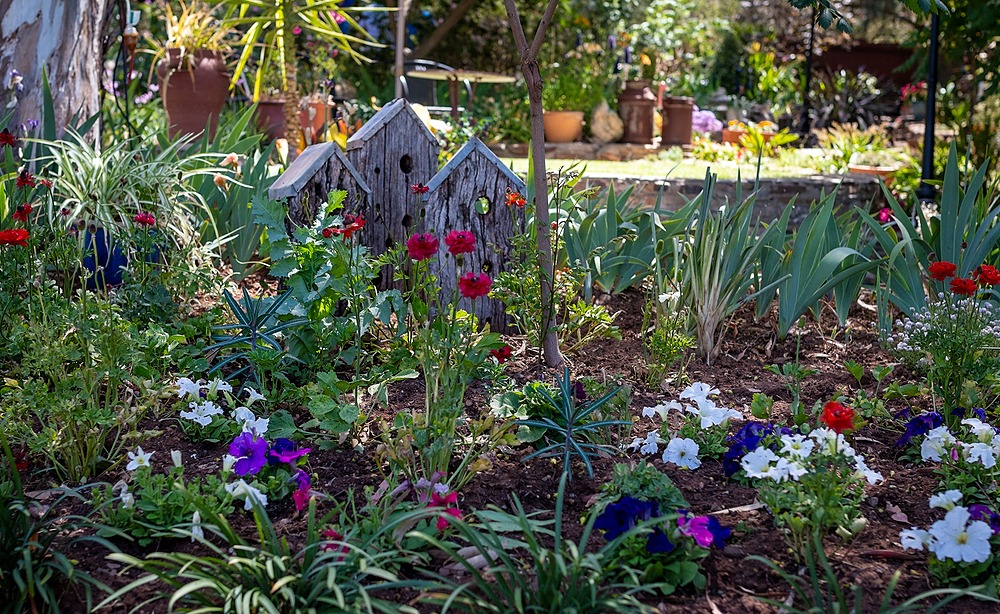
(984, 450)
(789, 463)
(682, 451)
(201, 412)
(914, 332)
(954, 537)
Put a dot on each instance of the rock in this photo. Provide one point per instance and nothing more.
(605, 124)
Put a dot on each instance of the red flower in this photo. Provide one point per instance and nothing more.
(460, 242)
(884, 215)
(941, 271)
(502, 355)
(422, 246)
(334, 536)
(45, 182)
(144, 218)
(25, 180)
(963, 286)
(987, 275)
(354, 224)
(515, 199)
(14, 236)
(327, 232)
(419, 188)
(7, 139)
(837, 417)
(473, 285)
(450, 504)
(22, 212)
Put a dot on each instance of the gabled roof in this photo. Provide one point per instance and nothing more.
(305, 167)
(382, 119)
(474, 145)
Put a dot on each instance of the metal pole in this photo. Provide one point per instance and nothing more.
(926, 191)
(806, 96)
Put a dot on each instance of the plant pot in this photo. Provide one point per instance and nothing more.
(193, 95)
(637, 107)
(678, 116)
(563, 126)
(733, 136)
(880, 171)
(312, 118)
(105, 260)
(271, 118)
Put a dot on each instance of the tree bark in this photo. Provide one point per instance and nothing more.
(533, 78)
(446, 26)
(63, 37)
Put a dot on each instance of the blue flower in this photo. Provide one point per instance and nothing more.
(746, 440)
(719, 533)
(658, 542)
(920, 425)
(619, 517)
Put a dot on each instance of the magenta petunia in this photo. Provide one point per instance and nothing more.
(250, 452)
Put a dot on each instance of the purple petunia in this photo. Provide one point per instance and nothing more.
(250, 452)
(619, 517)
(286, 451)
(658, 542)
(303, 485)
(920, 425)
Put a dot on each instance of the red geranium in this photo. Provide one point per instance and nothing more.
(14, 236)
(25, 180)
(474, 285)
(7, 139)
(22, 212)
(941, 271)
(419, 188)
(987, 275)
(502, 355)
(422, 246)
(460, 242)
(837, 417)
(450, 504)
(963, 286)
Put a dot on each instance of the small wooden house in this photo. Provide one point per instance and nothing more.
(308, 180)
(470, 193)
(392, 152)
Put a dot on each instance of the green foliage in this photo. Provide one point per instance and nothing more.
(572, 422)
(792, 375)
(842, 141)
(644, 482)
(842, 96)
(758, 145)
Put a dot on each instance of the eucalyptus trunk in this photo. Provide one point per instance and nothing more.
(292, 128)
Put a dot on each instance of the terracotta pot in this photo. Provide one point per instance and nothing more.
(271, 118)
(733, 136)
(563, 126)
(193, 94)
(878, 171)
(318, 110)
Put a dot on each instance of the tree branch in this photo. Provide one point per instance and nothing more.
(446, 26)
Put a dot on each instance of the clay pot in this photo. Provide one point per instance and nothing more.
(312, 126)
(193, 93)
(678, 115)
(271, 118)
(876, 171)
(637, 107)
(563, 126)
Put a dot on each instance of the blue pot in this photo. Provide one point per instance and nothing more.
(104, 259)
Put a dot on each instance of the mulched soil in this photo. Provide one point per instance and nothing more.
(734, 584)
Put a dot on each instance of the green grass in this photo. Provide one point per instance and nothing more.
(688, 168)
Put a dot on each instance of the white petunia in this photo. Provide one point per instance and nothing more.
(196, 531)
(186, 387)
(698, 390)
(981, 453)
(984, 432)
(258, 427)
(240, 489)
(956, 539)
(218, 385)
(831, 442)
(202, 413)
(128, 501)
(253, 396)
(873, 477)
(661, 410)
(682, 452)
(227, 463)
(717, 415)
(649, 445)
(790, 468)
(797, 446)
(138, 459)
(914, 539)
(175, 458)
(945, 500)
(758, 462)
(242, 414)
(936, 443)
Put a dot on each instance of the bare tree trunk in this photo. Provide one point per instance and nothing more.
(442, 30)
(63, 37)
(533, 78)
(292, 125)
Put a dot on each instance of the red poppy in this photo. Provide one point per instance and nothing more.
(14, 236)
(473, 285)
(460, 242)
(25, 180)
(144, 218)
(964, 286)
(987, 275)
(837, 417)
(422, 246)
(22, 212)
(7, 139)
(502, 355)
(419, 188)
(515, 199)
(353, 224)
(941, 271)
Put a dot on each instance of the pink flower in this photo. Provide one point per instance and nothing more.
(422, 246)
(460, 242)
(696, 527)
(450, 504)
(144, 218)
(473, 285)
(884, 215)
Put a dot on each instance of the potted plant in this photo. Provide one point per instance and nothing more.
(269, 38)
(881, 163)
(191, 67)
(571, 89)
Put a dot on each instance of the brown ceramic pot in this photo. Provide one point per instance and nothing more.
(195, 92)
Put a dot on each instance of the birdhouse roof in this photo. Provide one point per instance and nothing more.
(305, 167)
(472, 146)
(398, 108)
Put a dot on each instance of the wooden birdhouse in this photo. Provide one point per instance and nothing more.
(308, 180)
(470, 193)
(393, 151)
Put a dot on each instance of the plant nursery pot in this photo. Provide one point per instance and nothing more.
(637, 107)
(678, 115)
(193, 95)
(271, 118)
(563, 126)
(879, 171)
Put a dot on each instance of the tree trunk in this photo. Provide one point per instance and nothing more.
(293, 129)
(441, 31)
(61, 37)
(533, 78)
